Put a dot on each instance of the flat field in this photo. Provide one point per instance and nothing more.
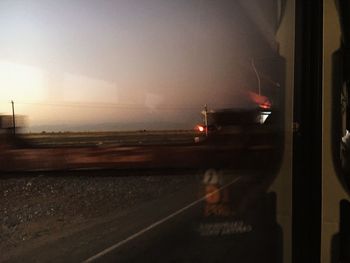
(87, 150)
(130, 138)
(134, 150)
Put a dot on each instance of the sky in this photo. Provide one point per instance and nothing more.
(79, 62)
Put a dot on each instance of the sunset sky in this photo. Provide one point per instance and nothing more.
(73, 62)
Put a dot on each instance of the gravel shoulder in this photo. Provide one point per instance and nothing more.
(38, 207)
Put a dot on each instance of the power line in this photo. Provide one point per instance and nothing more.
(257, 76)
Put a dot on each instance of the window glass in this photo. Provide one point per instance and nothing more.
(146, 130)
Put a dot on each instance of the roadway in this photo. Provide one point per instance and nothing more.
(218, 217)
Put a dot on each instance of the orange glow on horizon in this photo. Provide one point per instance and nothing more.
(260, 100)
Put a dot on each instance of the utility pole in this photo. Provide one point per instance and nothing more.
(13, 118)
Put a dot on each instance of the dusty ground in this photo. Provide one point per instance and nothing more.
(35, 207)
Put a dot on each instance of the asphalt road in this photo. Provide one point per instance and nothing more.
(219, 217)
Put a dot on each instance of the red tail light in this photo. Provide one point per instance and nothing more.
(200, 128)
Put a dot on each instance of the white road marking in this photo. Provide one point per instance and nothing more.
(120, 243)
